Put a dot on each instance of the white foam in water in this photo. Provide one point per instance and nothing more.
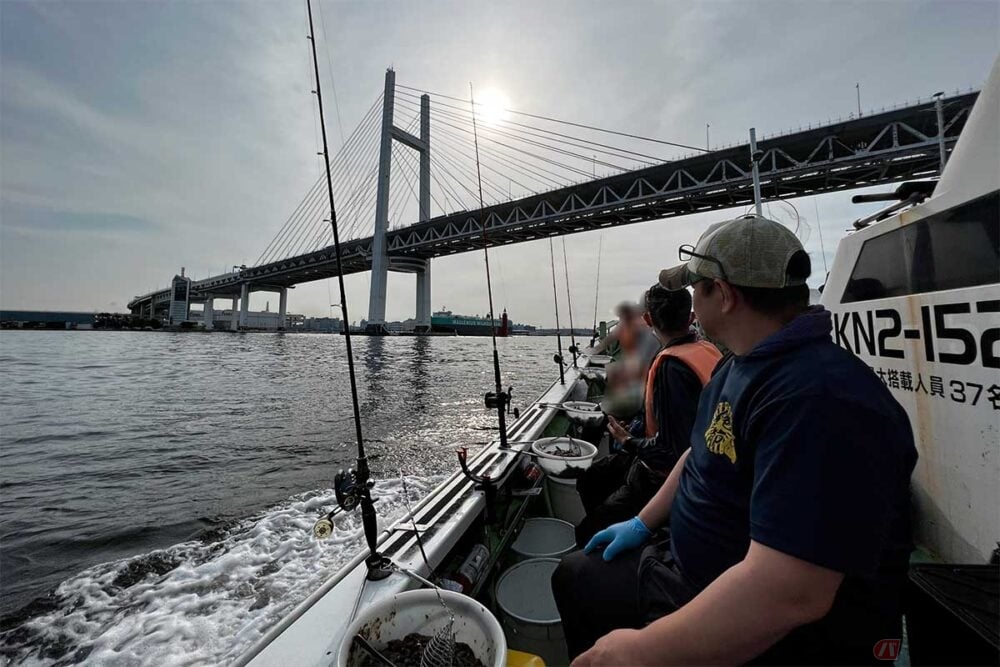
(221, 597)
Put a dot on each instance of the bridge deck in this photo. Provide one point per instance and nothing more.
(882, 148)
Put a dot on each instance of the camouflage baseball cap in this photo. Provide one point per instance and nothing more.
(751, 251)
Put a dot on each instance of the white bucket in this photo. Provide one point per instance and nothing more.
(583, 413)
(564, 501)
(420, 611)
(528, 608)
(543, 451)
(544, 538)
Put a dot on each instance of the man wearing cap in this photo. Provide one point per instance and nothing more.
(671, 388)
(788, 537)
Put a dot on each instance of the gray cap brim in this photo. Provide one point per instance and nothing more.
(676, 278)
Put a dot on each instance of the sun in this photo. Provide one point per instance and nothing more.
(491, 106)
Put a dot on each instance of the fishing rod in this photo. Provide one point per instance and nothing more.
(500, 399)
(353, 487)
(569, 306)
(555, 299)
(597, 287)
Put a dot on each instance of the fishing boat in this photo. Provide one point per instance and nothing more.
(462, 547)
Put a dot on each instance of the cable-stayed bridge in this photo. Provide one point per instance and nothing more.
(411, 159)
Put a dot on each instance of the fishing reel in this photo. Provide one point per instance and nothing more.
(349, 489)
(499, 400)
(352, 489)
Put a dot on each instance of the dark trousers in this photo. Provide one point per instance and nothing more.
(614, 489)
(636, 588)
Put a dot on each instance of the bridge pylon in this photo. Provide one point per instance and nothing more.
(380, 260)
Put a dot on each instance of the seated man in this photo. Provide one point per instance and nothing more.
(634, 345)
(618, 486)
(788, 517)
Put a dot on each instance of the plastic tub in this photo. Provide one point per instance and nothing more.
(561, 465)
(599, 360)
(420, 611)
(564, 501)
(528, 609)
(584, 413)
(544, 538)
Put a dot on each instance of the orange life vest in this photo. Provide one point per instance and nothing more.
(700, 356)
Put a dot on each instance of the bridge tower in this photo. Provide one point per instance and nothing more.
(381, 262)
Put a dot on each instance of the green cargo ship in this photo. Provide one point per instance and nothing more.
(444, 321)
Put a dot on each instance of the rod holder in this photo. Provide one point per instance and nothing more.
(480, 483)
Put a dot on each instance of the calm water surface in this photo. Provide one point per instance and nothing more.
(157, 490)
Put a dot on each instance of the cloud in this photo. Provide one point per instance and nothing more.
(26, 218)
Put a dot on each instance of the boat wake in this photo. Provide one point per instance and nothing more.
(199, 602)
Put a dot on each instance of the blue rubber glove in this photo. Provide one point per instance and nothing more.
(619, 537)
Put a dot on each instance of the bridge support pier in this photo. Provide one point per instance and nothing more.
(424, 299)
(244, 304)
(208, 315)
(282, 305)
(234, 323)
(380, 258)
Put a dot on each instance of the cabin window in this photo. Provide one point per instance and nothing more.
(956, 248)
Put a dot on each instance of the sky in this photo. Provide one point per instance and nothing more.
(140, 137)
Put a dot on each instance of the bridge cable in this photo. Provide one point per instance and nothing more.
(458, 164)
(507, 158)
(498, 155)
(314, 193)
(566, 122)
(527, 152)
(451, 139)
(281, 240)
(354, 188)
(587, 143)
(517, 134)
(333, 83)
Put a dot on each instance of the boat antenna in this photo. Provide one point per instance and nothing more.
(499, 399)
(597, 286)
(755, 158)
(569, 306)
(353, 487)
(555, 299)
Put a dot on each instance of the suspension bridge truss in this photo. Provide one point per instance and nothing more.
(558, 194)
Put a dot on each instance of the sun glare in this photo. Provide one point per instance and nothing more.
(491, 106)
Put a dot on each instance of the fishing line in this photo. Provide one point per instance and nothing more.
(569, 306)
(819, 226)
(500, 397)
(597, 286)
(555, 299)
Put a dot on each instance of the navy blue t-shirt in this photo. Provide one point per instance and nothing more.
(797, 445)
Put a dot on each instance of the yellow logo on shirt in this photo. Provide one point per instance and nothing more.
(719, 437)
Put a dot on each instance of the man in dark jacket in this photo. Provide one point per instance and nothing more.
(788, 524)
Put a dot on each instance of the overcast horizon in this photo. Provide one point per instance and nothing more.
(137, 138)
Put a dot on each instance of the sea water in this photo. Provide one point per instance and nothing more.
(158, 490)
